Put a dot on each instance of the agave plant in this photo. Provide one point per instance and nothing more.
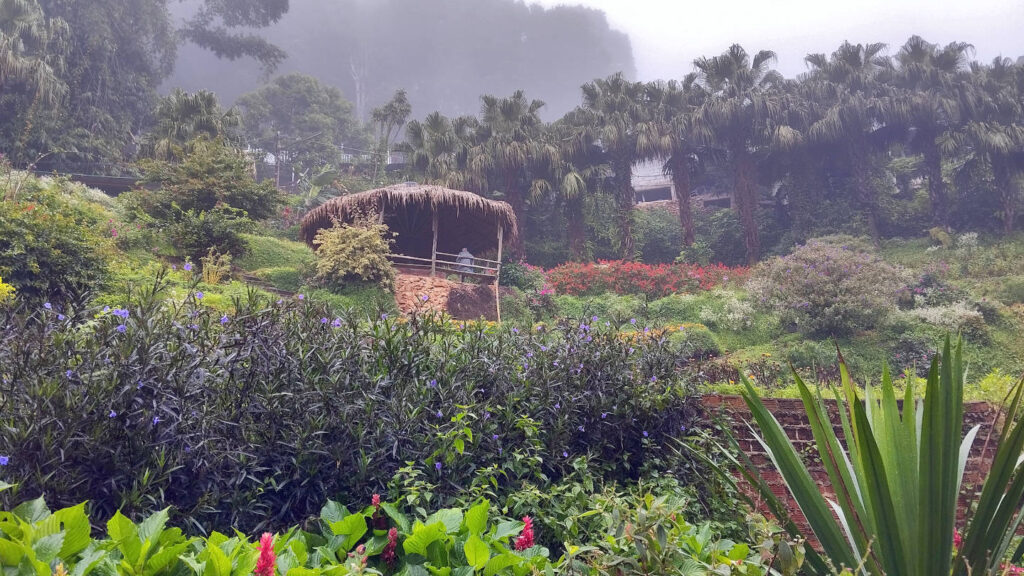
(897, 478)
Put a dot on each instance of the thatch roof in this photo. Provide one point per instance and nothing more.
(465, 220)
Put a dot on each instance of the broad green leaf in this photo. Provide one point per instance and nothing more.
(217, 564)
(166, 557)
(32, 511)
(333, 512)
(124, 534)
(423, 536)
(401, 519)
(450, 517)
(500, 562)
(506, 529)
(151, 528)
(76, 530)
(476, 517)
(11, 553)
(88, 562)
(299, 571)
(353, 526)
(477, 552)
(47, 547)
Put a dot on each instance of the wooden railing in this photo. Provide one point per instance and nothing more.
(446, 263)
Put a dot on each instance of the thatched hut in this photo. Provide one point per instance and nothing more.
(433, 224)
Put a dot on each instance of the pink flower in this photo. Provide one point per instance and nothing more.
(267, 560)
(957, 539)
(525, 539)
(388, 554)
(375, 501)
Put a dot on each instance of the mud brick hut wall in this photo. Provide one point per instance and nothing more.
(791, 415)
(462, 301)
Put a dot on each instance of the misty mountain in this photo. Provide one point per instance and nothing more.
(446, 53)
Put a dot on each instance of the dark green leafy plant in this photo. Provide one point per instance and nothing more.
(898, 478)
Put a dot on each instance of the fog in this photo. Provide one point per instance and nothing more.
(445, 53)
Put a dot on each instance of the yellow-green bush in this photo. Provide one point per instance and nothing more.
(348, 253)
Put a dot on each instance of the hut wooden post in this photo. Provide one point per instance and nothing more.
(497, 274)
(433, 249)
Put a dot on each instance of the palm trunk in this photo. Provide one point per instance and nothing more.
(626, 195)
(1007, 194)
(863, 188)
(746, 204)
(577, 229)
(681, 181)
(936, 185)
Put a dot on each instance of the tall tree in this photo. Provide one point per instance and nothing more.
(31, 49)
(439, 151)
(744, 113)
(852, 119)
(514, 153)
(300, 121)
(182, 118)
(929, 106)
(613, 110)
(667, 135)
(213, 27)
(993, 132)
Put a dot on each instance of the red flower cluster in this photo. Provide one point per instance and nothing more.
(375, 501)
(622, 277)
(525, 539)
(388, 554)
(267, 560)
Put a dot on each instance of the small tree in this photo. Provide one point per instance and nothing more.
(354, 252)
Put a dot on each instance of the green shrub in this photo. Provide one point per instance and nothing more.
(658, 235)
(361, 297)
(825, 288)
(254, 412)
(1012, 291)
(195, 233)
(957, 317)
(615, 309)
(288, 279)
(54, 243)
(676, 308)
(694, 341)
(358, 252)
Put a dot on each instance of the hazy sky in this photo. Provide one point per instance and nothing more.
(668, 34)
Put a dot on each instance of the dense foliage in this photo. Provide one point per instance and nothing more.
(255, 417)
(827, 287)
(380, 538)
(352, 253)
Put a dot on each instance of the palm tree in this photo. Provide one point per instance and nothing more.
(31, 49)
(993, 132)
(667, 135)
(744, 113)
(613, 109)
(580, 170)
(183, 117)
(514, 152)
(853, 118)
(440, 151)
(928, 106)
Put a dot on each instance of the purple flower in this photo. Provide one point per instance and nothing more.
(607, 323)
(5, 460)
(383, 316)
(558, 406)
(654, 378)
(645, 434)
(156, 420)
(139, 386)
(69, 374)
(515, 330)
(494, 436)
(432, 383)
(224, 319)
(323, 320)
(60, 317)
(199, 295)
(187, 266)
(580, 428)
(121, 328)
(487, 415)
(174, 267)
(437, 466)
(543, 348)
(593, 318)
(425, 297)
(632, 320)
(529, 354)
(440, 414)
(280, 301)
(604, 415)
(682, 428)
(112, 414)
(106, 309)
(121, 313)
(630, 350)
(302, 296)
(48, 306)
(565, 454)
(336, 323)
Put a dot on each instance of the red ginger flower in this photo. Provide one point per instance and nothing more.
(267, 559)
(388, 554)
(957, 539)
(525, 539)
(375, 501)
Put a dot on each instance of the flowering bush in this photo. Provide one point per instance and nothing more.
(356, 252)
(264, 411)
(956, 317)
(826, 288)
(622, 277)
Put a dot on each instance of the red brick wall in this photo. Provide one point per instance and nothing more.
(791, 415)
